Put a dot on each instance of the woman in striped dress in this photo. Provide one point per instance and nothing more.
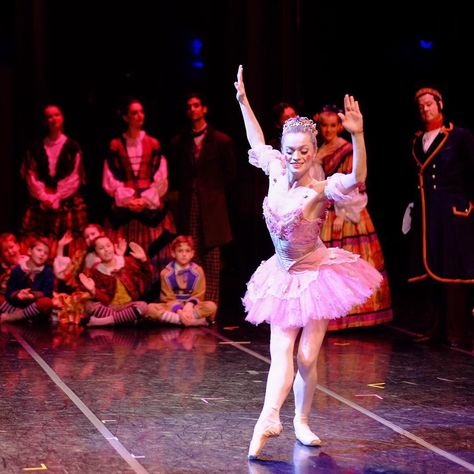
(349, 226)
(54, 174)
(136, 178)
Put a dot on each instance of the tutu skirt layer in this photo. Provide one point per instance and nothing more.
(317, 287)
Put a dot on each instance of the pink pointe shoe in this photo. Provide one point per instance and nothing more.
(260, 437)
(304, 434)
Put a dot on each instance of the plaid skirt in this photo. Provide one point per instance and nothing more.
(52, 224)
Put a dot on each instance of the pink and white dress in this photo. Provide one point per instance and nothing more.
(304, 280)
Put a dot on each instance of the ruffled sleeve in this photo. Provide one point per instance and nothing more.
(61, 263)
(341, 187)
(115, 188)
(351, 209)
(264, 157)
(159, 187)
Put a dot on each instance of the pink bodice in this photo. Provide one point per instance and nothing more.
(293, 236)
(296, 239)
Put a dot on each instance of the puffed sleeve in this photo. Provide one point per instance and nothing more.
(70, 184)
(265, 157)
(115, 188)
(351, 209)
(159, 186)
(341, 187)
(60, 264)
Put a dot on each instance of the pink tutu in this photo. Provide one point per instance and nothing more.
(306, 281)
(325, 284)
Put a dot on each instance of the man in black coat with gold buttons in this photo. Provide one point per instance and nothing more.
(442, 219)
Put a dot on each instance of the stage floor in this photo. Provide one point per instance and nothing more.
(151, 399)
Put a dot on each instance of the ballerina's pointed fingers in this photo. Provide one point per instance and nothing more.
(348, 105)
(240, 74)
(356, 106)
(348, 102)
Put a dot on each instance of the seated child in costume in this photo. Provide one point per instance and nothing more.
(70, 300)
(30, 286)
(115, 283)
(10, 257)
(67, 269)
(183, 286)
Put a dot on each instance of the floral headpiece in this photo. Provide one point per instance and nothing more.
(303, 123)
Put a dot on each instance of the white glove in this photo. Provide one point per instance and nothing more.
(406, 222)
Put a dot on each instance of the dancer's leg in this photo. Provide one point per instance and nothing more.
(99, 314)
(306, 379)
(280, 378)
(40, 308)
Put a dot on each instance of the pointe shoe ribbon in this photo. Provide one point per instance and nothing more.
(304, 434)
(260, 437)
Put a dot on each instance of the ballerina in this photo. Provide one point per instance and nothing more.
(305, 284)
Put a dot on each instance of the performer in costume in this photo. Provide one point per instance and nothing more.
(10, 257)
(349, 226)
(116, 283)
(30, 286)
(136, 178)
(204, 164)
(54, 173)
(441, 219)
(183, 289)
(304, 284)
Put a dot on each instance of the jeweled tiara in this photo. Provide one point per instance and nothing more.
(300, 122)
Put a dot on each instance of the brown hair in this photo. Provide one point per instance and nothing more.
(183, 239)
(39, 240)
(95, 226)
(438, 98)
(329, 109)
(6, 237)
(101, 236)
(428, 90)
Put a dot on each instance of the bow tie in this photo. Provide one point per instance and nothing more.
(198, 133)
(185, 271)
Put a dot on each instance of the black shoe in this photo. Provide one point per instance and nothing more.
(428, 339)
(84, 321)
(464, 344)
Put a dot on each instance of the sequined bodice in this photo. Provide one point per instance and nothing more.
(293, 236)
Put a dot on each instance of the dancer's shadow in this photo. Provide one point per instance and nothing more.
(306, 460)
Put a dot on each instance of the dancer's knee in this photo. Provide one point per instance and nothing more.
(306, 361)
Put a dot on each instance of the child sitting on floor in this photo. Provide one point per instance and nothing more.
(70, 300)
(183, 286)
(67, 269)
(10, 257)
(116, 283)
(30, 286)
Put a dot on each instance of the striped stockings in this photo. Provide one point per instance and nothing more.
(102, 315)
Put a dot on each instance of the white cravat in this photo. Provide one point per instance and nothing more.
(428, 138)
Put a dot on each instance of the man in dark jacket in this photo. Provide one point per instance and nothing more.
(203, 162)
(442, 225)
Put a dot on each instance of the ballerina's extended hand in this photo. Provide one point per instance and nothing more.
(352, 118)
(239, 85)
